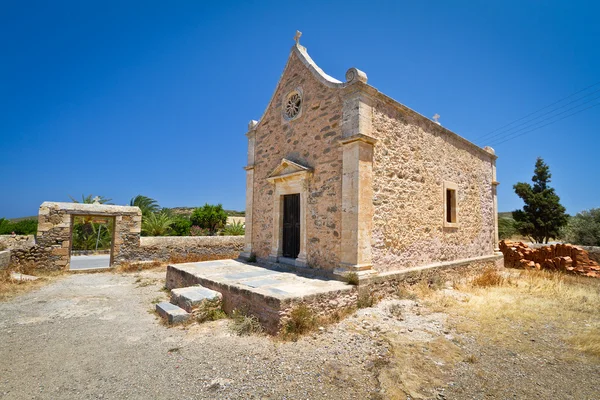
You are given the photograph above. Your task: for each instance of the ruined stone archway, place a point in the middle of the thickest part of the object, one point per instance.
(55, 230)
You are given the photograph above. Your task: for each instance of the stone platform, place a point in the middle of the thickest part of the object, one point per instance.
(268, 294)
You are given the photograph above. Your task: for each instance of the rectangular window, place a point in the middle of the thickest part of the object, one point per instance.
(450, 206)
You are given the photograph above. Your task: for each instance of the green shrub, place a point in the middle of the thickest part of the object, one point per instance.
(236, 228)
(22, 227)
(506, 228)
(181, 226)
(197, 231)
(584, 228)
(209, 217)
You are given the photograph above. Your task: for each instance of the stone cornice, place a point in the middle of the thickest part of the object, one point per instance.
(359, 138)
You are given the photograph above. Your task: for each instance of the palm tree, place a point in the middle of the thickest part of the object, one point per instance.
(157, 224)
(146, 204)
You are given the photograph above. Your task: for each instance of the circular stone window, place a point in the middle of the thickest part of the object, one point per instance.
(293, 105)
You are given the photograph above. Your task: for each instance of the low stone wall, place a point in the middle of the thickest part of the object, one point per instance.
(187, 248)
(4, 259)
(593, 251)
(17, 242)
(556, 257)
(387, 284)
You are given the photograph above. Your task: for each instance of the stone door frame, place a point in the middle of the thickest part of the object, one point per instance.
(55, 230)
(289, 178)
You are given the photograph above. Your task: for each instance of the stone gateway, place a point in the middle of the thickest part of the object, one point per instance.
(341, 178)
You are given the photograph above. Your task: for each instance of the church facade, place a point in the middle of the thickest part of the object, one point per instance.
(342, 178)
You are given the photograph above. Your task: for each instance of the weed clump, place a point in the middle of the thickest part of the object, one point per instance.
(302, 320)
(489, 277)
(210, 311)
(244, 324)
(365, 299)
(351, 278)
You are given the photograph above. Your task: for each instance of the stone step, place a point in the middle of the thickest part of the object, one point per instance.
(193, 297)
(172, 313)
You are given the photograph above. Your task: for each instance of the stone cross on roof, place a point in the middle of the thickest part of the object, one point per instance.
(297, 37)
(436, 117)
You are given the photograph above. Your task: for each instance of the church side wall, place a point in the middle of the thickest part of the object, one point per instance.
(311, 140)
(413, 160)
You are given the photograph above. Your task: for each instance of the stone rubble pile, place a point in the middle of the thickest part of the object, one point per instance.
(557, 257)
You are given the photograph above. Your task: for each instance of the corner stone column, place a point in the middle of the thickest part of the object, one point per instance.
(357, 183)
(495, 184)
(357, 205)
(247, 253)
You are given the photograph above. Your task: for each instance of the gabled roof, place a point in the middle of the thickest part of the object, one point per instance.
(358, 77)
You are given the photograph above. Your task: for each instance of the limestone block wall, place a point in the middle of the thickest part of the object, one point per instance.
(413, 158)
(311, 140)
(164, 248)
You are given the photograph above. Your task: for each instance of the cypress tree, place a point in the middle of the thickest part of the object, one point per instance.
(542, 215)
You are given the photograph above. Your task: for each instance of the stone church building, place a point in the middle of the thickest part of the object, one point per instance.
(341, 177)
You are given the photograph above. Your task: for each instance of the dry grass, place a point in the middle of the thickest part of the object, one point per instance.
(503, 309)
(10, 287)
(138, 266)
(489, 277)
(244, 324)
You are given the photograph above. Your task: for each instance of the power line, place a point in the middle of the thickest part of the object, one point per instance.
(506, 134)
(549, 123)
(524, 124)
(541, 109)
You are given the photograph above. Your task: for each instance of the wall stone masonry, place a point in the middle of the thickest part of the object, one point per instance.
(4, 259)
(163, 248)
(557, 257)
(413, 159)
(17, 242)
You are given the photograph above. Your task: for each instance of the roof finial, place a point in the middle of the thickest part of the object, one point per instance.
(436, 117)
(297, 37)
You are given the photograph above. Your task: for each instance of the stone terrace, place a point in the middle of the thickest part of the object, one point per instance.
(268, 294)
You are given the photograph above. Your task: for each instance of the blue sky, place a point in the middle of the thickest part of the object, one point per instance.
(153, 98)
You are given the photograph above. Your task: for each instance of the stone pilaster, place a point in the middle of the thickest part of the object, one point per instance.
(495, 184)
(246, 254)
(357, 185)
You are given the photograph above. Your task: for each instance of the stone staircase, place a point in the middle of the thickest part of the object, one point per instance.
(187, 300)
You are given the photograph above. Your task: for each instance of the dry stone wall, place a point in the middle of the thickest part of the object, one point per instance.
(311, 140)
(17, 242)
(557, 257)
(413, 158)
(166, 248)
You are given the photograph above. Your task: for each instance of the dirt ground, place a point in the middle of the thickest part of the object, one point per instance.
(94, 336)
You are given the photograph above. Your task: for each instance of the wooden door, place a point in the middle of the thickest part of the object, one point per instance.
(291, 225)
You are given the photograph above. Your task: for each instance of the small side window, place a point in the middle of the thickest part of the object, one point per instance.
(450, 205)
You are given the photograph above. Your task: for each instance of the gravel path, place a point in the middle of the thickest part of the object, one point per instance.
(93, 336)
